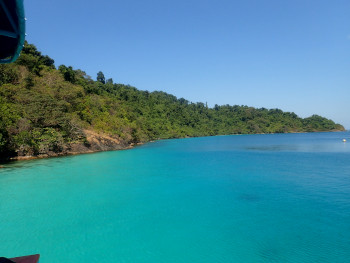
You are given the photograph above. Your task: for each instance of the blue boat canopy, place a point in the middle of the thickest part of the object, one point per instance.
(12, 29)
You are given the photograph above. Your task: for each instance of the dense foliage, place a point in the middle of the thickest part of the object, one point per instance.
(47, 109)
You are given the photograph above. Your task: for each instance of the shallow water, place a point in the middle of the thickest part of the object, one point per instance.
(248, 198)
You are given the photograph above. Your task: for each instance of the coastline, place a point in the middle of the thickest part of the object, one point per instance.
(95, 142)
(100, 142)
(62, 154)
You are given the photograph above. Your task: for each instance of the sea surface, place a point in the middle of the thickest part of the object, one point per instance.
(247, 198)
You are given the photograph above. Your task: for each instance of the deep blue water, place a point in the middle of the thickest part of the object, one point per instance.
(249, 198)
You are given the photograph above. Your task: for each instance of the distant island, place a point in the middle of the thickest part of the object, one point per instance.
(48, 111)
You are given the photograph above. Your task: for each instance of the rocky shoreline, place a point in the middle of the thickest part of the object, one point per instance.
(95, 142)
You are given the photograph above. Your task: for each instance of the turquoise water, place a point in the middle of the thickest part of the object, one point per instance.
(250, 198)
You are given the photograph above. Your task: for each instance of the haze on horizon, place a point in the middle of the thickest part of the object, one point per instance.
(292, 55)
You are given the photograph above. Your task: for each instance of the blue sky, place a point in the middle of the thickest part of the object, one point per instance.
(291, 54)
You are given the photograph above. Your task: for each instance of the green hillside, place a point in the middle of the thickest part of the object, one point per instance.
(48, 110)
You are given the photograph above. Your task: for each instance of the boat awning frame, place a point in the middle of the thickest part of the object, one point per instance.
(12, 29)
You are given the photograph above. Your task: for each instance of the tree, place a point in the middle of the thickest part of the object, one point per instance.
(30, 49)
(68, 73)
(47, 61)
(34, 60)
(8, 74)
(110, 81)
(101, 77)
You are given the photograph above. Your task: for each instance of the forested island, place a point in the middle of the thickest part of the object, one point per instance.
(49, 111)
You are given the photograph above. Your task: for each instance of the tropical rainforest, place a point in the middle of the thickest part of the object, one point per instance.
(44, 109)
